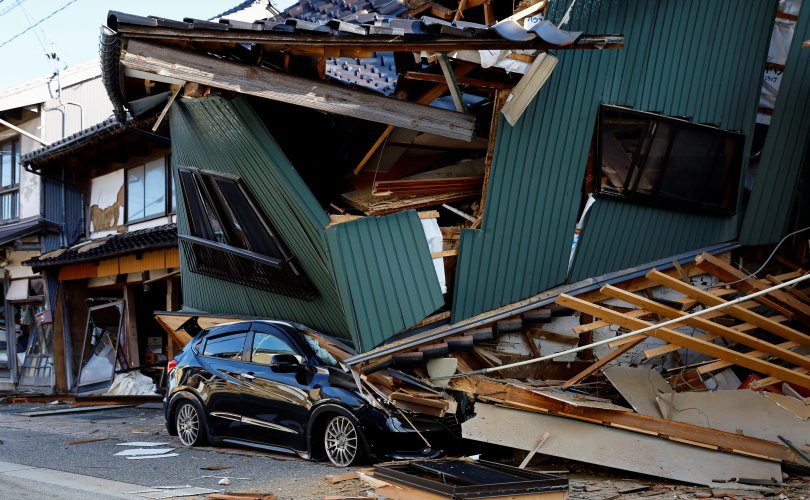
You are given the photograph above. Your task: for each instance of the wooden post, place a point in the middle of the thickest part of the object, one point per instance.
(172, 304)
(58, 341)
(131, 327)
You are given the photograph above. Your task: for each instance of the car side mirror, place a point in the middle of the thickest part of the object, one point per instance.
(284, 363)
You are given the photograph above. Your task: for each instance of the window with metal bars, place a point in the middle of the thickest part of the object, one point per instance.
(232, 239)
(665, 161)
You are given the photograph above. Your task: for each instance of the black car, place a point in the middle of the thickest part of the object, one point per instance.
(269, 384)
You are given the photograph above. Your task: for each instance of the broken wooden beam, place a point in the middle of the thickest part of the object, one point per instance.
(519, 397)
(680, 339)
(273, 85)
(710, 327)
(736, 310)
(778, 300)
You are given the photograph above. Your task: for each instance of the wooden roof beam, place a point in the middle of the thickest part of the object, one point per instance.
(206, 70)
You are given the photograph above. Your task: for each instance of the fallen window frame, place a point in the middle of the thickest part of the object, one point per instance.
(258, 259)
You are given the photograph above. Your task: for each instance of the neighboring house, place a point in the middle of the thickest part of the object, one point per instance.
(259, 180)
(125, 267)
(36, 113)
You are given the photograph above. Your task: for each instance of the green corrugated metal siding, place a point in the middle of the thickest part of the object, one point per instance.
(378, 278)
(701, 59)
(785, 151)
(227, 136)
(385, 274)
(670, 233)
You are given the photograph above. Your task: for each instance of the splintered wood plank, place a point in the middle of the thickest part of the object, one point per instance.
(499, 392)
(604, 360)
(720, 365)
(207, 70)
(769, 381)
(741, 313)
(677, 338)
(171, 324)
(708, 326)
(778, 300)
(612, 446)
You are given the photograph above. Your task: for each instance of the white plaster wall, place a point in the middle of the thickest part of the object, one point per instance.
(106, 195)
(15, 266)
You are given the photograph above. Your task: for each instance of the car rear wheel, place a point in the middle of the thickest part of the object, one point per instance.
(342, 441)
(190, 423)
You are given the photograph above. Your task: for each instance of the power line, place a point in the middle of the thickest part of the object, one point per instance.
(60, 9)
(10, 7)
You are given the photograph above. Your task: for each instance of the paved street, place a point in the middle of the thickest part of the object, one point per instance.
(54, 456)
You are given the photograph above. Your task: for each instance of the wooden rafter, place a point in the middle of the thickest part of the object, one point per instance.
(680, 339)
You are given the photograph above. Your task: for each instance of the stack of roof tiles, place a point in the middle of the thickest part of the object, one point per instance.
(376, 73)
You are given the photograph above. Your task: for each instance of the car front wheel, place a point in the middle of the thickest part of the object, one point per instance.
(189, 421)
(342, 441)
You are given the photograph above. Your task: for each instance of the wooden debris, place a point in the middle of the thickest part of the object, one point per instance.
(341, 477)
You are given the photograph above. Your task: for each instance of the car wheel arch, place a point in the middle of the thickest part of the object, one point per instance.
(175, 401)
(317, 424)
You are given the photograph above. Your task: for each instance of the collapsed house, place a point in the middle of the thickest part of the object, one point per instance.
(456, 196)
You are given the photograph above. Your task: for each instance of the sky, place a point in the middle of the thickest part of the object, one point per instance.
(73, 32)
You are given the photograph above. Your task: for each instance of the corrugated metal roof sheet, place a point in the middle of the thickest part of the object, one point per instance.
(786, 147)
(385, 275)
(701, 59)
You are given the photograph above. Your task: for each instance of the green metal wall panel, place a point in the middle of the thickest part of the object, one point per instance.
(670, 233)
(785, 152)
(385, 274)
(374, 276)
(701, 59)
(226, 136)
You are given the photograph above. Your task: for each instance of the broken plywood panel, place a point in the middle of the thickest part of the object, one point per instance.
(739, 411)
(639, 386)
(595, 444)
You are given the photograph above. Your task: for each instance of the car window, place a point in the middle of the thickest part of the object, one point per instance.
(266, 345)
(322, 354)
(228, 346)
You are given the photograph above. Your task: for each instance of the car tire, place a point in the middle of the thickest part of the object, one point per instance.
(342, 441)
(189, 420)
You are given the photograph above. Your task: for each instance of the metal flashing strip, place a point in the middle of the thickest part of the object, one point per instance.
(539, 300)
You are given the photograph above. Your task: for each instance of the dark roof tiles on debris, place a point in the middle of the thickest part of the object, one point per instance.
(112, 246)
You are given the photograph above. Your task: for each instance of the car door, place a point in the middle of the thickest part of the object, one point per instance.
(277, 398)
(221, 383)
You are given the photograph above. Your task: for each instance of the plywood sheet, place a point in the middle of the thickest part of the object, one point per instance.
(738, 411)
(639, 386)
(595, 444)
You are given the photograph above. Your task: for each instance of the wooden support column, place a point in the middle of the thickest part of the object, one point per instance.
(172, 304)
(58, 341)
(131, 327)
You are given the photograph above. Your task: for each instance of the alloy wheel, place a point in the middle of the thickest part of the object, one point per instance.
(188, 424)
(341, 441)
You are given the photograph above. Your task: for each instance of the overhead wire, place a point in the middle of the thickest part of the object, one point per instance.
(57, 11)
(10, 7)
(30, 23)
(769, 257)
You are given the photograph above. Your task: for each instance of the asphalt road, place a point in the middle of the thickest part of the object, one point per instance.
(65, 443)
